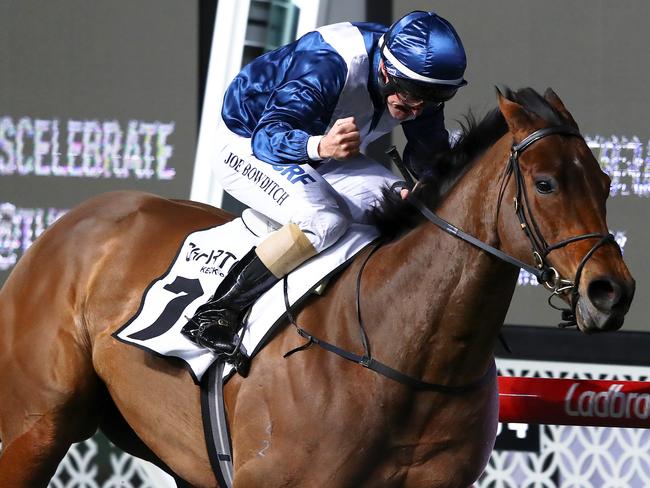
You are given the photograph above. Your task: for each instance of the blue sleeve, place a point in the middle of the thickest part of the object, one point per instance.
(300, 107)
(426, 136)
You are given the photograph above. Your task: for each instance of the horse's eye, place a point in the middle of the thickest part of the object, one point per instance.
(544, 186)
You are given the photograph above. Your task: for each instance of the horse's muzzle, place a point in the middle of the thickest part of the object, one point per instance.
(604, 304)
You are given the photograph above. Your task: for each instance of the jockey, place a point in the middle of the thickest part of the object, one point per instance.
(296, 123)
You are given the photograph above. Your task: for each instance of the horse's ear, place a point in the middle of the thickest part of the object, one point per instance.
(551, 97)
(519, 119)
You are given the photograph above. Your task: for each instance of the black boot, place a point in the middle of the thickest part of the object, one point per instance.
(216, 323)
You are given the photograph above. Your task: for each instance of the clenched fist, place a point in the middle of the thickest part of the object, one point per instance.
(342, 141)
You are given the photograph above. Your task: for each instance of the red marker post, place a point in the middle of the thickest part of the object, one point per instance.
(574, 402)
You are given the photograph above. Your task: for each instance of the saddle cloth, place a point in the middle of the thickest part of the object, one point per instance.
(199, 266)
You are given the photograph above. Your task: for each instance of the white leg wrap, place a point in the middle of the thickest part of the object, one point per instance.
(284, 250)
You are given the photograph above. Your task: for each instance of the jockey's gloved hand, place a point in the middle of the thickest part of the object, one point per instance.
(342, 141)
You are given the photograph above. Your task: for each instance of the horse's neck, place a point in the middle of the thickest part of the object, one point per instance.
(452, 298)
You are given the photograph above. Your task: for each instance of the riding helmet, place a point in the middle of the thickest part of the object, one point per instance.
(423, 56)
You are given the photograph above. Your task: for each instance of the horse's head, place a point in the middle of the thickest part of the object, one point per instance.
(559, 191)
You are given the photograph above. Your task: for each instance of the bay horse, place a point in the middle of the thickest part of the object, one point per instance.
(432, 307)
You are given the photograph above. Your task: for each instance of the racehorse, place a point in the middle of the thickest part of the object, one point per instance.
(432, 306)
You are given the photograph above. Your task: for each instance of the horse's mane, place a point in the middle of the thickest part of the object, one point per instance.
(394, 215)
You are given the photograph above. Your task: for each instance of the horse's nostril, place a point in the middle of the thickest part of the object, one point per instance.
(605, 294)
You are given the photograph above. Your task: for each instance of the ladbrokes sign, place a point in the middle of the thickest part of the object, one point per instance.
(614, 403)
(574, 402)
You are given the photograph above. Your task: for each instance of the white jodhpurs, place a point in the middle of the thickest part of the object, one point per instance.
(321, 201)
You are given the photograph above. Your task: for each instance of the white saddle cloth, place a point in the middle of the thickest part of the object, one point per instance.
(201, 263)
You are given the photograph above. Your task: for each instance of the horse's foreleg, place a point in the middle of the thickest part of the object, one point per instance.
(50, 398)
(31, 453)
(120, 433)
(30, 460)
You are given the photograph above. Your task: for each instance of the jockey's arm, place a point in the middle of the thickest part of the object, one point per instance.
(300, 109)
(426, 136)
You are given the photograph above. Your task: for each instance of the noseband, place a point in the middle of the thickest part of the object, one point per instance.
(542, 270)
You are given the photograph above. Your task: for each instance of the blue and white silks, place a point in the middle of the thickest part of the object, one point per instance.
(286, 96)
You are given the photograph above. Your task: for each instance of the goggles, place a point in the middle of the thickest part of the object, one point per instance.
(416, 103)
(413, 94)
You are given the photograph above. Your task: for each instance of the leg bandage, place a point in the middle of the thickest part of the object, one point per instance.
(285, 249)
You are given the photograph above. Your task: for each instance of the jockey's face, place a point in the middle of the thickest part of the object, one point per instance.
(402, 107)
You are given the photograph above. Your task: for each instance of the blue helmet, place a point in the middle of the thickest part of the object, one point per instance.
(423, 50)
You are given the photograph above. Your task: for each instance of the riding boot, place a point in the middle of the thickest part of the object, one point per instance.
(216, 323)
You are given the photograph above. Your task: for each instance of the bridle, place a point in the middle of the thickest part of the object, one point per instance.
(542, 270)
